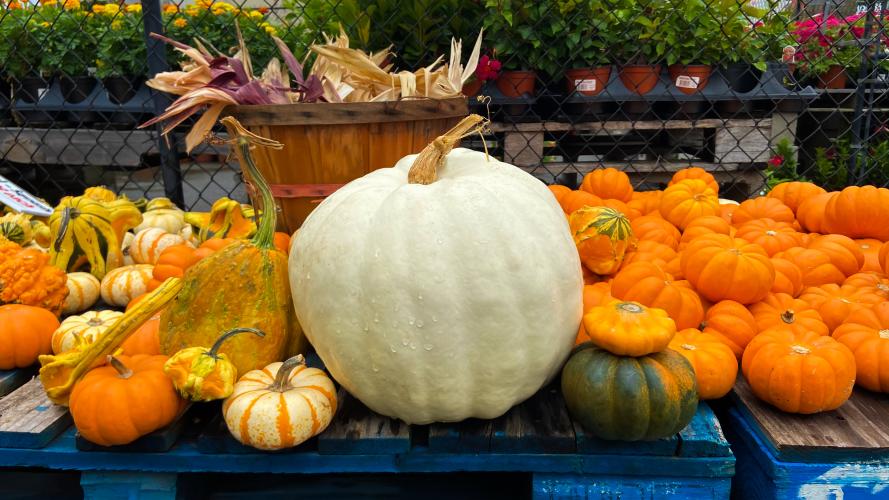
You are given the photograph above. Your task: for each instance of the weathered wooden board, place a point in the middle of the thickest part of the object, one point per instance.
(857, 430)
(469, 436)
(595, 126)
(703, 436)
(11, 380)
(356, 430)
(28, 419)
(539, 425)
(591, 445)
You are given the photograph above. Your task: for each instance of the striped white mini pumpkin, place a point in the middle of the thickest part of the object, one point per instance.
(89, 326)
(266, 413)
(123, 284)
(83, 292)
(149, 243)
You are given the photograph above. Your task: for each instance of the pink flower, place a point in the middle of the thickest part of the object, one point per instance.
(776, 161)
(487, 69)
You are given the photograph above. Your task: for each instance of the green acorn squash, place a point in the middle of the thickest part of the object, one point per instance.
(629, 398)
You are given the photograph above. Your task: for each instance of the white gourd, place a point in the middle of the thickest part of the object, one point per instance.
(171, 220)
(443, 301)
(83, 292)
(149, 243)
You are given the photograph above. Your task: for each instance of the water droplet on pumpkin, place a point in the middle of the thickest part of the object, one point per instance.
(308, 276)
(434, 319)
(439, 241)
(420, 297)
(412, 321)
(366, 328)
(375, 368)
(377, 253)
(427, 347)
(413, 346)
(392, 348)
(405, 341)
(419, 323)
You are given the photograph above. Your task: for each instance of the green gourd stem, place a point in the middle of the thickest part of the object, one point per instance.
(213, 352)
(67, 215)
(123, 370)
(282, 379)
(265, 231)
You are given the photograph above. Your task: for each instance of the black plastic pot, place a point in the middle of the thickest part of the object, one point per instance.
(121, 89)
(76, 88)
(741, 77)
(31, 88)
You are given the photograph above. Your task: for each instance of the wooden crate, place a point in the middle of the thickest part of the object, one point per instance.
(841, 454)
(536, 439)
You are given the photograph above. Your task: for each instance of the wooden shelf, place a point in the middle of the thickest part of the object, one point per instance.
(611, 125)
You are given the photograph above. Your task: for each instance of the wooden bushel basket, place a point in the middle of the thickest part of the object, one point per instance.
(327, 145)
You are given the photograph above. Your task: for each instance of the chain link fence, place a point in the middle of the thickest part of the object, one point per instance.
(753, 91)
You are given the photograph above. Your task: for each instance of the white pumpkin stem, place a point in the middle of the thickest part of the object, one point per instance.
(123, 370)
(282, 378)
(214, 350)
(425, 167)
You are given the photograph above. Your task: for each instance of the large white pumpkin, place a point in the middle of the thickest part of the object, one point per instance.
(439, 302)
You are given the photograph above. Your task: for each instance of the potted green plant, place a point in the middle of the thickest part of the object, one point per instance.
(764, 40)
(511, 27)
(68, 48)
(694, 34)
(121, 54)
(18, 53)
(641, 50)
(589, 32)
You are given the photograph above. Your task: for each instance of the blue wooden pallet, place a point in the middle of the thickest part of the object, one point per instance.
(839, 454)
(536, 438)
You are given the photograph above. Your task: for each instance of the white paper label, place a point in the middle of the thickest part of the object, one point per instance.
(41, 92)
(687, 82)
(585, 85)
(20, 200)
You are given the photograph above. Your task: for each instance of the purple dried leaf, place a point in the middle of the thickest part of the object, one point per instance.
(252, 93)
(312, 90)
(290, 60)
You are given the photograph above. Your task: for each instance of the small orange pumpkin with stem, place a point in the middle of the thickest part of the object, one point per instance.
(834, 302)
(842, 251)
(732, 323)
(687, 200)
(799, 371)
(762, 207)
(772, 236)
(648, 284)
(655, 228)
(779, 310)
(716, 366)
(608, 183)
(25, 333)
(708, 224)
(788, 277)
(629, 328)
(816, 266)
(793, 194)
(115, 420)
(721, 267)
(695, 173)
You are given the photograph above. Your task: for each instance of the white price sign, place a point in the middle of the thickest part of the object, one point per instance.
(20, 200)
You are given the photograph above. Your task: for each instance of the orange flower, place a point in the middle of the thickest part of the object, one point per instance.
(71, 4)
(13, 5)
(170, 8)
(180, 23)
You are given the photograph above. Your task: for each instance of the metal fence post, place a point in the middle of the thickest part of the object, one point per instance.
(171, 172)
(863, 102)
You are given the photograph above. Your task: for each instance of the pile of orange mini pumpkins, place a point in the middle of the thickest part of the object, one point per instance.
(792, 285)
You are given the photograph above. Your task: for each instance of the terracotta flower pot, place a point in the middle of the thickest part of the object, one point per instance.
(472, 88)
(690, 79)
(833, 78)
(517, 83)
(640, 79)
(587, 81)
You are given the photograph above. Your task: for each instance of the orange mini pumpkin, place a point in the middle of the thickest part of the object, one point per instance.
(648, 284)
(608, 183)
(858, 212)
(655, 228)
(788, 277)
(695, 173)
(834, 303)
(102, 403)
(779, 310)
(732, 323)
(762, 208)
(816, 266)
(721, 267)
(621, 207)
(25, 333)
(875, 283)
(866, 333)
(793, 194)
(716, 366)
(559, 191)
(772, 236)
(843, 252)
(602, 236)
(687, 200)
(629, 328)
(709, 224)
(799, 372)
(727, 210)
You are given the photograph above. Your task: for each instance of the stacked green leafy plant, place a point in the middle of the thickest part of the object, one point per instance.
(580, 35)
(66, 45)
(18, 48)
(697, 31)
(121, 41)
(419, 29)
(642, 39)
(518, 30)
(770, 37)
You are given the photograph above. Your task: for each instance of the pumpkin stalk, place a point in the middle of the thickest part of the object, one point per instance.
(214, 350)
(429, 160)
(282, 379)
(787, 316)
(244, 139)
(67, 215)
(123, 370)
